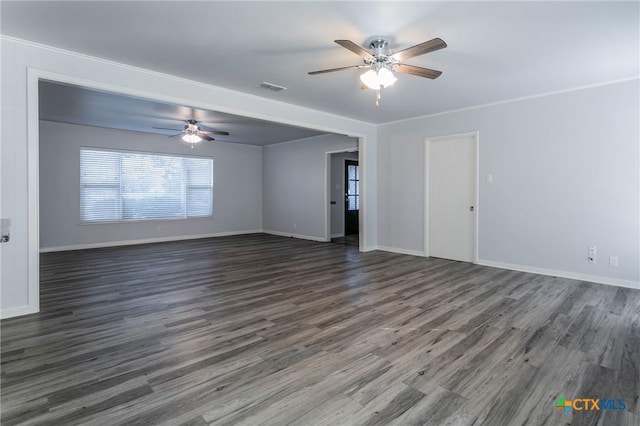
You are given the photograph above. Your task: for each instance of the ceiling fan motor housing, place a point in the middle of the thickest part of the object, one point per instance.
(381, 55)
(379, 47)
(191, 128)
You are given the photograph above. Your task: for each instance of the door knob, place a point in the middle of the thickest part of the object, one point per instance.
(471, 208)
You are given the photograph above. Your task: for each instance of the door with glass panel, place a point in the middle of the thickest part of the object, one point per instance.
(352, 197)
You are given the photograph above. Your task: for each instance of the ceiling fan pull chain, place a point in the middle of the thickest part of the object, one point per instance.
(378, 99)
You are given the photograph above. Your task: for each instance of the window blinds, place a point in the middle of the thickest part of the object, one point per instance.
(122, 186)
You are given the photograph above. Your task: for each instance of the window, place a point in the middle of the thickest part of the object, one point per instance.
(122, 186)
(353, 187)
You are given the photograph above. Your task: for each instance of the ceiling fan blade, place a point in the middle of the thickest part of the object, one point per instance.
(420, 49)
(165, 128)
(419, 71)
(205, 137)
(215, 132)
(339, 69)
(360, 51)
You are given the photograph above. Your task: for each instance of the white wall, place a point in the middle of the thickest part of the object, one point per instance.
(565, 175)
(237, 188)
(338, 191)
(294, 185)
(22, 63)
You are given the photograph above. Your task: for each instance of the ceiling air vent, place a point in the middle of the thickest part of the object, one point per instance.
(272, 87)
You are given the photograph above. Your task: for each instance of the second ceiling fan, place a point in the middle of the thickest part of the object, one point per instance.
(192, 133)
(382, 63)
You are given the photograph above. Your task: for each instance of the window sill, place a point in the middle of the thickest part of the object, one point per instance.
(119, 222)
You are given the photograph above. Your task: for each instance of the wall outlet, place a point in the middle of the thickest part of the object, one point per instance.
(613, 261)
(591, 258)
(160, 228)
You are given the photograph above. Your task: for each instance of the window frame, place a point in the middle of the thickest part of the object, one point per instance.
(120, 189)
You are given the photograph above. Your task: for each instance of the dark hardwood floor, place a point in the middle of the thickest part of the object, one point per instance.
(351, 240)
(267, 330)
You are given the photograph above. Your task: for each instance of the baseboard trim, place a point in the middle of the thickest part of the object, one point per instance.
(562, 274)
(18, 311)
(400, 251)
(147, 241)
(299, 236)
(337, 235)
(368, 249)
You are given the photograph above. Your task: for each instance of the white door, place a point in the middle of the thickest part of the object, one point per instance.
(451, 189)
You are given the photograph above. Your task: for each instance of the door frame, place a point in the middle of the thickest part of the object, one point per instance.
(327, 192)
(427, 184)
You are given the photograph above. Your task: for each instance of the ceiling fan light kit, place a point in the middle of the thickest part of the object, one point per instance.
(381, 78)
(382, 63)
(191, 138)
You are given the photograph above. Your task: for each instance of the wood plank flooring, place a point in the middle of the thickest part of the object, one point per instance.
(266, 330)
(352, 240)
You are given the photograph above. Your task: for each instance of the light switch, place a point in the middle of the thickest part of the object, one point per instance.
(489, 177)
(5, 232)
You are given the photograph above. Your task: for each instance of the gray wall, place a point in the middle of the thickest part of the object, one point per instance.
(294, 184)
(338, 191)
(565, 175)
(237, 189)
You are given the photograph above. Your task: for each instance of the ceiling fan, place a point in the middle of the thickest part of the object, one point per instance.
(381, 62)
(192, 133)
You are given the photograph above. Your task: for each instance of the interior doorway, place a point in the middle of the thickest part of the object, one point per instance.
(451, 197)
(345, 198)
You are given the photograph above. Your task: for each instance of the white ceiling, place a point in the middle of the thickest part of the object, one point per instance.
(496, 50)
